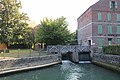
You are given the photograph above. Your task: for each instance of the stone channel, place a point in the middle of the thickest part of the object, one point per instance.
(20, 64)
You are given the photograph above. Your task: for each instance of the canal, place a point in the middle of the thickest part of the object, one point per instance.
(66, 71)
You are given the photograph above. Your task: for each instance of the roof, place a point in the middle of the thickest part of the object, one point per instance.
(88, 9)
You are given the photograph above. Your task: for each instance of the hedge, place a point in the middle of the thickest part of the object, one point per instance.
(111, 49)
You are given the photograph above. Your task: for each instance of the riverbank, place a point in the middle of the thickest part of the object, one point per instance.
(106, 65)
(111, 62)
(22, 64)
(65, 71)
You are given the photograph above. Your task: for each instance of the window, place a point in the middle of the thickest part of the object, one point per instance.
(109, 41)
(99, 29)
(109, 29)
(118, 17)
(109, 16)
(118, 41)
(118, 29)
(99, 16)
(113, 4)
(100, 42)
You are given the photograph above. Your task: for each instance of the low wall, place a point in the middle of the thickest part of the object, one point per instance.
(109, 61)
(27, 62)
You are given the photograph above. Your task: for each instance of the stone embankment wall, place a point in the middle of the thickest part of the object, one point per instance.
(17, 63)
(109, 61)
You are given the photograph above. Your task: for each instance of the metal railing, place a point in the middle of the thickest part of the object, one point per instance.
(21, 53)
(67, 48)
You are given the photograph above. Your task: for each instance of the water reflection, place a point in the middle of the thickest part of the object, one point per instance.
(66, 71)
(87, 72)
(71, 73)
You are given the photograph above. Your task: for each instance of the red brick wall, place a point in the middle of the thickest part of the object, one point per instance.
(83, 21)
(102, 5)
(90, 19)
(104, 8)
(85, 18)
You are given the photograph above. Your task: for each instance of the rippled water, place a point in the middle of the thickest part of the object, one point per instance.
(66, 71)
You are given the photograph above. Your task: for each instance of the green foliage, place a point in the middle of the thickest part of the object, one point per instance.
(73, 38)
(53, 32)
(112, 49)
(12, 22)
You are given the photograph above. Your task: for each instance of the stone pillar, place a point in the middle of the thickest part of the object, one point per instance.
(43, 45)
(75, 57)
(59, 55)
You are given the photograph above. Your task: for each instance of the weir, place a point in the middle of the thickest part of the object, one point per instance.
(74, 53)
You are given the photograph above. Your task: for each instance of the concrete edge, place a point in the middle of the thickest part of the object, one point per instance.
(107, 65)
(28, 68)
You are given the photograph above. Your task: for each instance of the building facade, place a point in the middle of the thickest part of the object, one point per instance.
(100, 24)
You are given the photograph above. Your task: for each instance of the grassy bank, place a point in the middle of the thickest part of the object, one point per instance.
(22, 53)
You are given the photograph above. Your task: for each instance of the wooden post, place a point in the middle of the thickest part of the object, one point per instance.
(30, 53)
(4, 54)
(18, 53)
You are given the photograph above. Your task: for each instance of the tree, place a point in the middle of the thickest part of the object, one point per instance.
(53, 32)
(73, 38)
(12, 22)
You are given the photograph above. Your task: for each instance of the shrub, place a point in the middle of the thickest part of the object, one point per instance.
(111, 49)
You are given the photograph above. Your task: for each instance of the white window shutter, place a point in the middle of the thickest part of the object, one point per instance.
(115, 4)
(110, 4)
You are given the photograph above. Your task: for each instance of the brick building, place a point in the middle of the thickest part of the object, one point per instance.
(100, 24)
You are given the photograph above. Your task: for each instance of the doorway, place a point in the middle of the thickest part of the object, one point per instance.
(89, 42)
(109, 41)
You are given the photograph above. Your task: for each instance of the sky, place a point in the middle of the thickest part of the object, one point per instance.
(71, 9)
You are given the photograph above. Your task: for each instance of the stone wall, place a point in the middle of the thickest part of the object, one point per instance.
(74, 57)
(109, 59)
(27, 62)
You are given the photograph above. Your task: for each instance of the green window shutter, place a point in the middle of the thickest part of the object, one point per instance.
(100, 42)
(109, 29)
(118, 41)
(109, 16)
(118, 29)
(99, 29)
(99, 16)
(118, 17)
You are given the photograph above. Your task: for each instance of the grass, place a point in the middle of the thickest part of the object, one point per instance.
(22, 53)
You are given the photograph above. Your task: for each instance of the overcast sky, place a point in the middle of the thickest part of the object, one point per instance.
(71, 9)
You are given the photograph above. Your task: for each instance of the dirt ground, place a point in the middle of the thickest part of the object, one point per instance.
(6, 58)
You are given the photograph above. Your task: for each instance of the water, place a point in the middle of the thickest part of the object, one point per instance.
(66, 71)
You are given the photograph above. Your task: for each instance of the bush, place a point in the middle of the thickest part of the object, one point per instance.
(111, 49)
(18, 46)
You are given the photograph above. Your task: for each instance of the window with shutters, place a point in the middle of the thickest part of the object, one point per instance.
(100, 42)
(113, 4)
(99, 29)
(109, 16)
(99, 16)
(118, 17)
(118, 30)
(109, 29)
